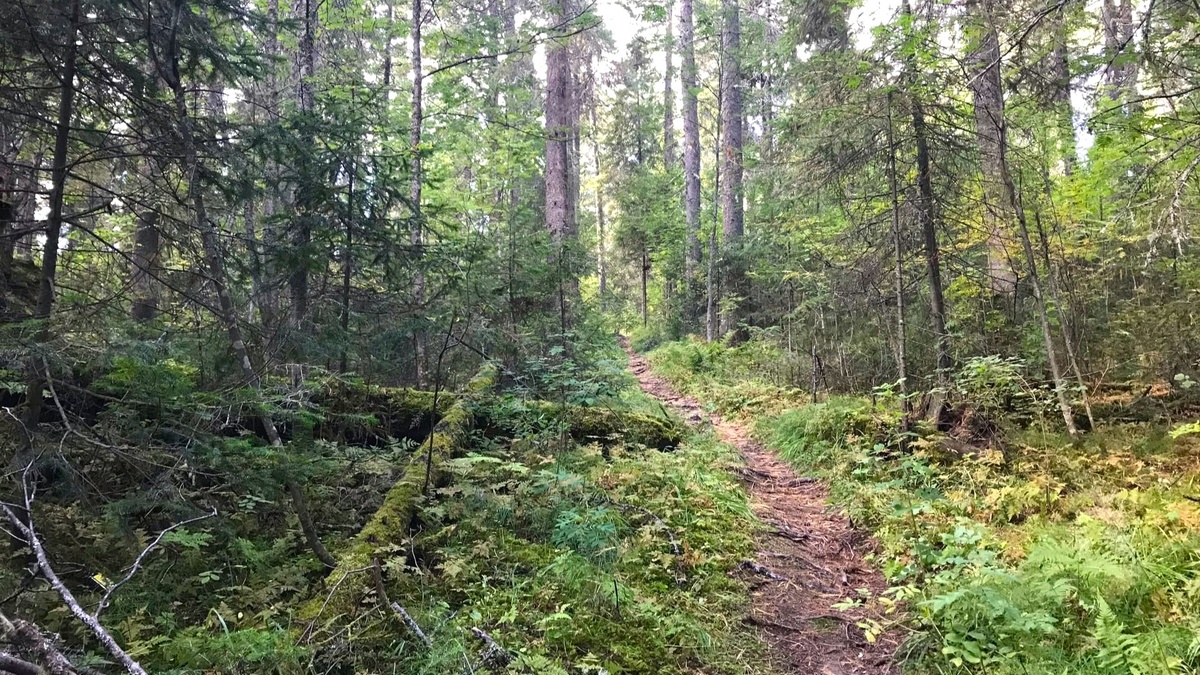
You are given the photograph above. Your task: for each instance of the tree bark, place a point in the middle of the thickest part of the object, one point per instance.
(733, 218)
(58, 183)
(926, 214)
(988, 93)
(691, 159)
(416, 233)
(147, 242)
(669, 92)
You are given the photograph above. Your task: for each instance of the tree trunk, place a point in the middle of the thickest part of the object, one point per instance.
(898, 246)
(601, 235)
(7, 216)
(560, 132)
(733, 224)
(147, 242)
(691, 159)
(347, 272)
(1061, 69)
(669, 92)
(416, 233)
(988, 93)
(1120, 78)
(302, 226)
(712, 320)
(54, 222)
(926, 213)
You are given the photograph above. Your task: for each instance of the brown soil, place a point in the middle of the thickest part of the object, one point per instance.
(809, 558)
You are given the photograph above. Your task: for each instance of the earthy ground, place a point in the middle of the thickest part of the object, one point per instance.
(809, 559)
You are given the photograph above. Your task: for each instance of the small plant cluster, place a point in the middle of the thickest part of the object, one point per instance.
(1051, 557)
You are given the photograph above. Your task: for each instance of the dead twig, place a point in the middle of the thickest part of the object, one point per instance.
(137, 562)
(377, 572)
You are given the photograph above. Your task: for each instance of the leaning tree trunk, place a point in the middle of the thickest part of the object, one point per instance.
(58, 183)
(215, 262)
(1060, 388)
(1060, 304)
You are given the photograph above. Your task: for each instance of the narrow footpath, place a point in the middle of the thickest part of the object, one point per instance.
(809, 559)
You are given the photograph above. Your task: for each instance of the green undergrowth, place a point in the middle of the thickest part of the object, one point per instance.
(578, 553)
(577, 563)
(1049, 557)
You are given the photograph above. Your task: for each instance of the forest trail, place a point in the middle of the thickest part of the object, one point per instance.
(809, 559)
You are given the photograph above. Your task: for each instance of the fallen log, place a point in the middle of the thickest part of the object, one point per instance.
(592, 424)
(392, 523)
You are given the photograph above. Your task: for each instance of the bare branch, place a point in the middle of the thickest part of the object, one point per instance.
(137, 562)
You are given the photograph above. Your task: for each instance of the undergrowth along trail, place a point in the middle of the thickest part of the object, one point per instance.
(810, 560)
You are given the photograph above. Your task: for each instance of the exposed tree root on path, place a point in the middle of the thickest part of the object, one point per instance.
(809, 558)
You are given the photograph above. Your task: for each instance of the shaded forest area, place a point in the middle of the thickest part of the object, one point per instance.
(308, 317)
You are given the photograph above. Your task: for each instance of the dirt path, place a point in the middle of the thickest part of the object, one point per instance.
(809, 560)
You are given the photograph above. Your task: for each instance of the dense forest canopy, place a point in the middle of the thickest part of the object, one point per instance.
(307, 315)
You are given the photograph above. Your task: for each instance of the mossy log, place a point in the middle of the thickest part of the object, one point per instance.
(391, 525)
(588, 424)
(358, 413)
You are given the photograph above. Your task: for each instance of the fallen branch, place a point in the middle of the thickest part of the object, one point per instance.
(412, 623)
(43, 561)
(377, 573)
(18, 666)
(784, 530)
(29, 640)
(494, 656)
(763, 570)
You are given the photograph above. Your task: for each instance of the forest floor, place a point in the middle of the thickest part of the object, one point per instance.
(809, 558)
